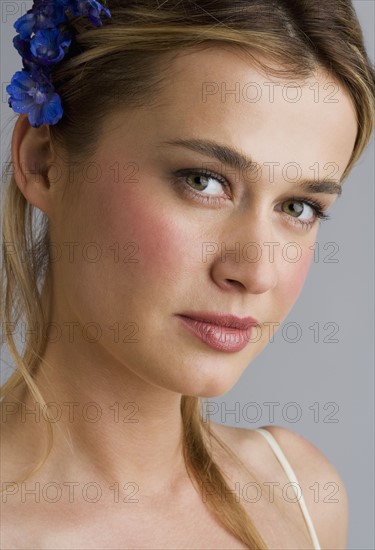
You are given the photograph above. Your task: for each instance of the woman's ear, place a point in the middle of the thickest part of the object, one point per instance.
(32, 156)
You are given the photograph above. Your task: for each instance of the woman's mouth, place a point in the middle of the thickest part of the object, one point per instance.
(223, 332)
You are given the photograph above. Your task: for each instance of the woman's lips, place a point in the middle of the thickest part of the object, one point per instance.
(221, 332)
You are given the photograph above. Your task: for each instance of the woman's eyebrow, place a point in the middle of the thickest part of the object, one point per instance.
(237, 160)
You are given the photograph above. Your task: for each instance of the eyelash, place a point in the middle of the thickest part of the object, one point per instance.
(317, 206)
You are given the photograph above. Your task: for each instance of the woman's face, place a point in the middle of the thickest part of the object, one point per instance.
(150, 238)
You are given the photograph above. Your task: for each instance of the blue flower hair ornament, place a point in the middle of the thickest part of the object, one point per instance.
(43, 40)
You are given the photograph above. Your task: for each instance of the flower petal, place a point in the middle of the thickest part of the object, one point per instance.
(52, 109)
(25, 24)
(23, 106)
(35, 116)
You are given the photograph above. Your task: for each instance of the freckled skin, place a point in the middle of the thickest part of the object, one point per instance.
(170, 228)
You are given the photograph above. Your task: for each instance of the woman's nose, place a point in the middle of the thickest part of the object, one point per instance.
(249, 262)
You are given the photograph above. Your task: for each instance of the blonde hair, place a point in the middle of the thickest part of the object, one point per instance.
(140, 40)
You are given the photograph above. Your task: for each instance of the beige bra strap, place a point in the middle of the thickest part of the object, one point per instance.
(293, 478)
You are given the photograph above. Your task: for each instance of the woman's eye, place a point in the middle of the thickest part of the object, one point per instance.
(213, 189)
(201, 182)
(298, 209)
(204, 186)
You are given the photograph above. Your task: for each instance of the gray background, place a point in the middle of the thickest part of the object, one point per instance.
(334, 379)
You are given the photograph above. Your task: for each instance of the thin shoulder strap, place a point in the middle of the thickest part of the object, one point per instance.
(293, 478)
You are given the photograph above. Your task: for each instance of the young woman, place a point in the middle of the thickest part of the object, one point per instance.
(145, 228)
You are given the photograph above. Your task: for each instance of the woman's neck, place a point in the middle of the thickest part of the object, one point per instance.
(109, 425)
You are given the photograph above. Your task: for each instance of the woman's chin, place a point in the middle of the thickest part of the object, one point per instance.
(207, 384)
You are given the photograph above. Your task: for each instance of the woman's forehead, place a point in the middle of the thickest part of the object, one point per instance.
(215, 94)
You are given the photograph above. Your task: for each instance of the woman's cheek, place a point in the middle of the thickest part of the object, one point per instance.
(162, 244)
(293, 274)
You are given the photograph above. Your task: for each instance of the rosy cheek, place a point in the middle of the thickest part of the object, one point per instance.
(162, 243)
(293, 275)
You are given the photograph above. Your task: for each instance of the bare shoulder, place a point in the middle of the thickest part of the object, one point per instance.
(322, 487)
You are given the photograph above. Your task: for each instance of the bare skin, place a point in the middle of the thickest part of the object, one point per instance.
(170, 228)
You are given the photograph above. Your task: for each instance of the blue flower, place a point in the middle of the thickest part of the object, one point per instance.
(89, 8)
(46, 14)
(50, 45)
(43, 39)
(32, 93)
